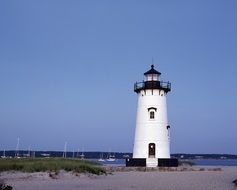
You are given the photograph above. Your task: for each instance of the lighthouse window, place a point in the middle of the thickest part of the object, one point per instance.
(152, 115)
(168, 129)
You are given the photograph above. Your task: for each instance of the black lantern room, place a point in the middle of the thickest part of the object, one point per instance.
(152, 81)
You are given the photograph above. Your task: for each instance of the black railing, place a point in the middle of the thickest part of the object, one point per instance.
(166, 86)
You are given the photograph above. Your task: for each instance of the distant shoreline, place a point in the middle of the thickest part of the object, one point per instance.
(118, 155)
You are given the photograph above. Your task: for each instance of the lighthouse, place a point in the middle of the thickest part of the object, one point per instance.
(152, 133)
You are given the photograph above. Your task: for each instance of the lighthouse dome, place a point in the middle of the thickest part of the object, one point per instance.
(152, 71)
(152, 74)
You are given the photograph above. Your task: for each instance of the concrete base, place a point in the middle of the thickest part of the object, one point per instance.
(152, 162)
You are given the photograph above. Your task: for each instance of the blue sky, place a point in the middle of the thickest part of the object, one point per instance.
(67, 70)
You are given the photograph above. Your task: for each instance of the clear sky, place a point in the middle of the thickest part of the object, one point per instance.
(67, 70)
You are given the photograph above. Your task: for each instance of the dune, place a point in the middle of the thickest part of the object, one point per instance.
(194, 179)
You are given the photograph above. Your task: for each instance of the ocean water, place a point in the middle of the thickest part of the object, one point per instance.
(198, 162)
(213, 162)
(117, 162)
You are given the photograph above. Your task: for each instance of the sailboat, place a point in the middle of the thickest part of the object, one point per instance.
(65, 150)
(4, 154)
(27, 154)
(17, 155)
(101, 158)
(82, 156)
(111, 158)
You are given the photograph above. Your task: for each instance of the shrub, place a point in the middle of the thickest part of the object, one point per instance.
(3, 186)
(50, 164)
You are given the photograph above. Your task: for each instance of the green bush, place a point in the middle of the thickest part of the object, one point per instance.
(50, 164)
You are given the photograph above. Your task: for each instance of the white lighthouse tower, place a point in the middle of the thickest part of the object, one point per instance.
(152, 134)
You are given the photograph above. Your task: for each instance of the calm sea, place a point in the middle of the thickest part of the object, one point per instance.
(212, 162)
(199, 162)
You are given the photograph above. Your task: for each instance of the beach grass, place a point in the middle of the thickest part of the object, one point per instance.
(50, 164)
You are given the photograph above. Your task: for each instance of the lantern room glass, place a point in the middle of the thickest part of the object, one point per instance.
(151, 77)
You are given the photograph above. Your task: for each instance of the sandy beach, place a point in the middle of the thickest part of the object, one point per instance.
(127, 180)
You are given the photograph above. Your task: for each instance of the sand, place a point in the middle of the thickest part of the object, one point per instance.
(127, 180)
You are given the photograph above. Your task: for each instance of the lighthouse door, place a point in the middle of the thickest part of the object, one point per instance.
(151, 150)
